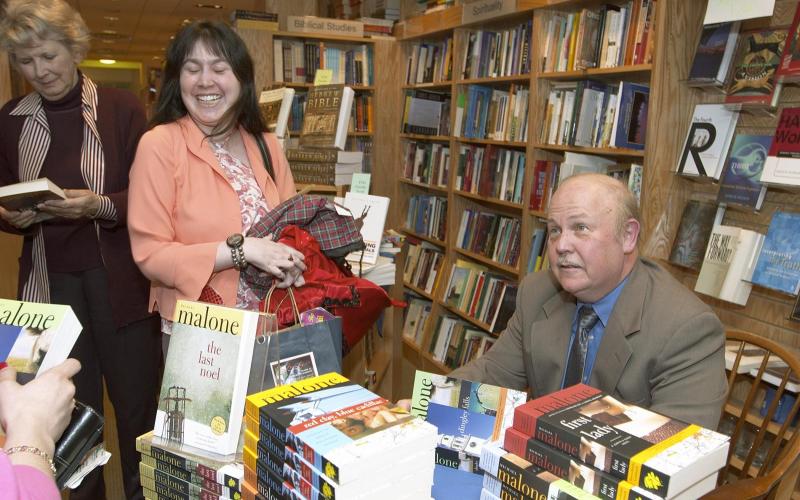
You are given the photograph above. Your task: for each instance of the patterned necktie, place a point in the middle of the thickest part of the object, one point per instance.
(577, 355)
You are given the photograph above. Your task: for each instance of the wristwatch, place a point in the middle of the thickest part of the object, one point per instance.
(236, 243)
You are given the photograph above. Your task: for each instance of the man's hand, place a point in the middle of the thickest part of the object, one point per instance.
(79, 203)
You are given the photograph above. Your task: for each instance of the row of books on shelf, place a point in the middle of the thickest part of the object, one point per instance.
(427, 163)
(423, 265)
(484, 112)
(480, 294)
(492, 54)
(606, 36)
(491, 171)
(753, 162)
(455, 342)
(591, 113)
(427, 216)
(430, 62)
(494, 236)
(731, 259)
(324, 166)
(297, 61)
(426, 112)
(495, 444)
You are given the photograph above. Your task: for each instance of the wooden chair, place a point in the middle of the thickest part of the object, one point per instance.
(767, 468)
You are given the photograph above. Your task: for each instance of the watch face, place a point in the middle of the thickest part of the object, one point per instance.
(235, 240)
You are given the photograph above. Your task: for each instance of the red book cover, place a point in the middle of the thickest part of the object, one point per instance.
(789, 70)
(786, 142)
(539, 182)
(525, 416)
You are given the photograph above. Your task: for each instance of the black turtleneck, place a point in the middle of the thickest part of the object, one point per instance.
(70, 244)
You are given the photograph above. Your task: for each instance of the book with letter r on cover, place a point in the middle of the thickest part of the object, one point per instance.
(205, 376)
(36, 337)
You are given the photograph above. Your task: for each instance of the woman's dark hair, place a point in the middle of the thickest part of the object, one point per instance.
(223, 42)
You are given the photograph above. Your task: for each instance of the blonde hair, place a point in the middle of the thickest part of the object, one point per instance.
(25, 21)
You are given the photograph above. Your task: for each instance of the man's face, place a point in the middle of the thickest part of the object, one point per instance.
(587, 255)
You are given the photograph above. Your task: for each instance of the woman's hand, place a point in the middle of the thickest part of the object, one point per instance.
(19, 218)
(282, 261)
(79, 203)
(35, 414)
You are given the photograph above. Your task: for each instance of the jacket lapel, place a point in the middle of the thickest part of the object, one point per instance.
(550, 339)
(197, 144)
(625, 319)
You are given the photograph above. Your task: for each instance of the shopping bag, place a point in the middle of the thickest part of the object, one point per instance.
(283, 356)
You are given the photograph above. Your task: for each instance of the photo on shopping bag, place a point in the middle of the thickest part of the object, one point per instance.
(293, 369)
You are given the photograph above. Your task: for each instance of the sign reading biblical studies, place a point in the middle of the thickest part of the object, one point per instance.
(324, 26)
(481, 10)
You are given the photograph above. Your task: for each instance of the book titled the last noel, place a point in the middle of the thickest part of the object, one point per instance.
(205, 376)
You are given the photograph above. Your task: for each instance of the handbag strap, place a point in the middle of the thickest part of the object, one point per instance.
(265, 304)
(265, 155)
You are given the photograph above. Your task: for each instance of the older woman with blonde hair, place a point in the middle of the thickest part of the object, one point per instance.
(76, 251)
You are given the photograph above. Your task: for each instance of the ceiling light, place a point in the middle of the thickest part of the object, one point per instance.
(108, 61)
(208, 6)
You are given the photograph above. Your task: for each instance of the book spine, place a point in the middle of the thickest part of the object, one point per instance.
(526, 478)
(188, 475)
(151, 477)
(300, 469)
(302, 155)
(328, 180)
(555, 462)
(525, 416)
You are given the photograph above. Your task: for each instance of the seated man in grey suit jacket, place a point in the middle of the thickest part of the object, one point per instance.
(646, 339)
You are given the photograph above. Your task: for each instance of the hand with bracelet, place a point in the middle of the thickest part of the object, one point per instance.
(34, 415)
(278, 259)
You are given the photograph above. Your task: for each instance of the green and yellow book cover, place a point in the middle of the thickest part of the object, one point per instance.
(205, 376)
(35, 337)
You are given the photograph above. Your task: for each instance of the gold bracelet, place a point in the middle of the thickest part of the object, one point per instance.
(33, 450)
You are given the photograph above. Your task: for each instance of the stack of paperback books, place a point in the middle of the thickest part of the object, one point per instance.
(327, 437)
(468, 415)
(582, 443)
(170, 471)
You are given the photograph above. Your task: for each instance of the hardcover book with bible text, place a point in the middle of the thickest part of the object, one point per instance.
(205, 376)
(36, 337)
(326, 117)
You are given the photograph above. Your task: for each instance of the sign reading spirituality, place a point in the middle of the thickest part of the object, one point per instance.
(325, 26)
(481, 10)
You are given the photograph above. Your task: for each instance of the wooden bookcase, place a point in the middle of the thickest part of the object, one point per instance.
(377, 353)
(677, 26)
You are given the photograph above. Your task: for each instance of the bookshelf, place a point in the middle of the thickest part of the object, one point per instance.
(461, 198)
(375, 353)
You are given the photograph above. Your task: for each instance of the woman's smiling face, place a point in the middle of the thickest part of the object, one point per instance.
(209, 88)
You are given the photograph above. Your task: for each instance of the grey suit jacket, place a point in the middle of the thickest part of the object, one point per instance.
(662, 349)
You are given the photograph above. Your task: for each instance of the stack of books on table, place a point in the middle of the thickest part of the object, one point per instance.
(582, 443)
(328, 437)
(171, 471)
(468, 415)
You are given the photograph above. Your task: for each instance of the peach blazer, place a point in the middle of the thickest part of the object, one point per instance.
(181, 206)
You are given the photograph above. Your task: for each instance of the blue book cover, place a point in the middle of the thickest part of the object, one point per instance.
(739, 185)
(631, 126)
(778, 264)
